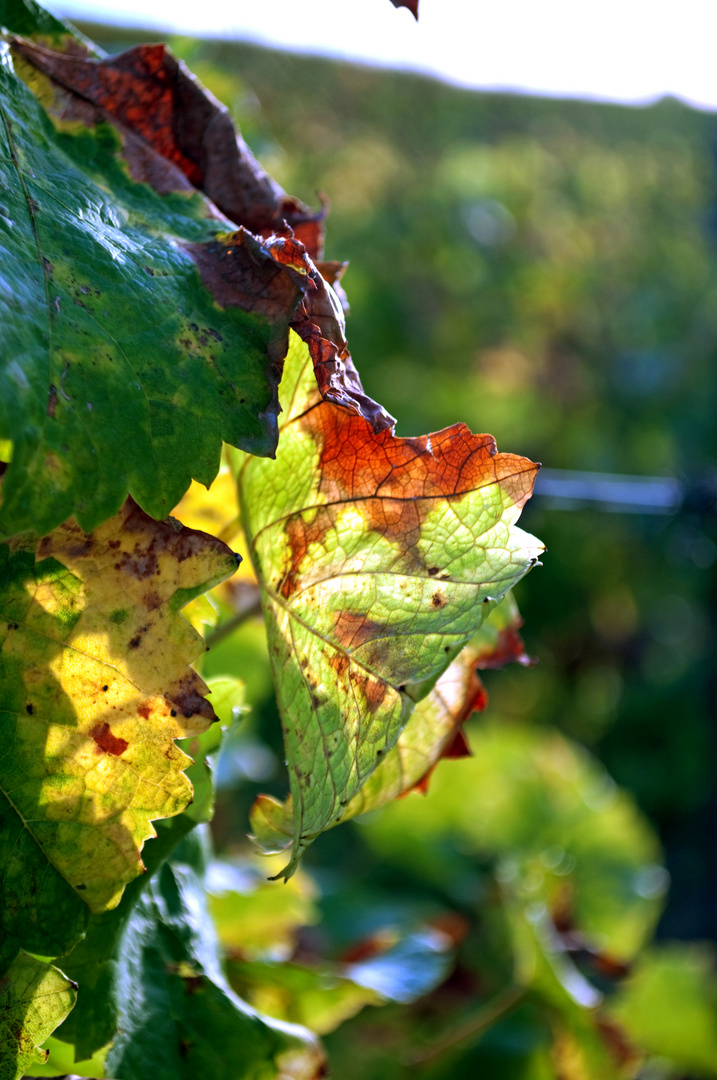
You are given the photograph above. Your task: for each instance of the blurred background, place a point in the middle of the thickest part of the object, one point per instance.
(546, 270)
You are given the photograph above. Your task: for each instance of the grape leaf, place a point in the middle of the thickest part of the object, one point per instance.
(97, 686)
(178, 1016)
(93, 962)
(148, 91)
(34, 999)
(434, 731)
(28, 18)
(126, 284)
(668, 1005)
(162, 110)
(379, 558)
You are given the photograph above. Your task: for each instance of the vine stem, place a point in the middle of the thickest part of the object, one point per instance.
(491, 1012)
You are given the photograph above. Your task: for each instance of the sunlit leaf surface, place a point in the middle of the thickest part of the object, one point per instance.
(34, 998)
(95, 662)
(134, 224)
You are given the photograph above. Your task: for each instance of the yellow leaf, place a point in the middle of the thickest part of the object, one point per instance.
(97, 687)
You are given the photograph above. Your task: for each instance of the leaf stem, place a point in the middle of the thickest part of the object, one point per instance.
(486, 1016)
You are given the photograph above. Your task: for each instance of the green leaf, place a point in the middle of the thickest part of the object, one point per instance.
(178, 1016)
(433, 731)
(93, 962)
(254, 917)
(325, 995)
(130, 286)
(668, 1005)
(556, 825)
(379, 558)
(96, 686)
(318, 997)
(113, 351)
(61, 1062)
(29, 19)
(38, 907)
(34, 999)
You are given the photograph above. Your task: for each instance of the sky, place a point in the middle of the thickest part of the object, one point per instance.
(632, 51)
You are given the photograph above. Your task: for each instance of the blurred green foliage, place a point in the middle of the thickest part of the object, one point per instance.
(545, 271)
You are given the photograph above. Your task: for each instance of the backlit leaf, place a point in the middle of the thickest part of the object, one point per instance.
(34, 999)
(379, 558)
(668, 1005)
(256, 918)
(434, 731)
(563, 834)
(95, 662)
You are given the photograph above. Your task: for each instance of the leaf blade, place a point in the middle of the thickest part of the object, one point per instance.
(379, 558)
(34, 999)
(101, 688)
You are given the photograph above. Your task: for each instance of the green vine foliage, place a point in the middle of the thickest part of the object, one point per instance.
(163, 297)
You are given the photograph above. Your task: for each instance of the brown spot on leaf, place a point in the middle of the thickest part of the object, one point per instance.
(152, 600)
(52, 402)
(188, 696)
(106, 741)
(438, 600)
(339, 662)
(374, 690)
(145, 710)
(300, 535)
(353, 629)
(140, 565)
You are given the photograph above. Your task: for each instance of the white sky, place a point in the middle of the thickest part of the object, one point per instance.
(618, 50)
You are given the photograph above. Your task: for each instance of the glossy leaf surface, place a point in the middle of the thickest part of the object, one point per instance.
(379, 558)
(95, 662)
(112, 350)
(178, 1016)
(142, 327)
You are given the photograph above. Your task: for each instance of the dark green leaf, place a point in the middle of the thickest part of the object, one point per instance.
(113, 352)
(178, 1017)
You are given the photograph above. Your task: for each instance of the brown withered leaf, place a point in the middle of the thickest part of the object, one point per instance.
(264, 275)
(152, 94)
